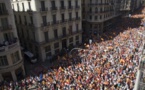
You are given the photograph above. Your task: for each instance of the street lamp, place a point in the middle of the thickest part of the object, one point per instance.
(74, 49)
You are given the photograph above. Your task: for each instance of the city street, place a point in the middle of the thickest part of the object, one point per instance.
(72, 45)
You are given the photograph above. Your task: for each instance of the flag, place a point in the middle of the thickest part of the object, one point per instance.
(60, 69)
(114, 33)
(110, 37)
(102, 39)
(41, 77)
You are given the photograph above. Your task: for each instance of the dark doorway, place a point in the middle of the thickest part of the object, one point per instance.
(64, 43)
(19, 74)
(7, 76)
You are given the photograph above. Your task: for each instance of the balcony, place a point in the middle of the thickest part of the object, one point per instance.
(77, 7)
(78, 19)
(53, 9)
(64, 35)
(6, 28)
(70, 7)
(99, 4)
(3, 12)
(55, 23)
(101, 12)
(58, 38)
(63, 21)
(45, 24)
(7, 45)
(31, 25)
(30, 11)
(62, 8)
(11, 67)
(48, 41)
(77, 32)
(70, 20)
(43, 10)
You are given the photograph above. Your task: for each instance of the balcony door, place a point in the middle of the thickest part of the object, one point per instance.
(46, 36)
(44, 19)
(54, 18)
(42, 5)
(4, 23)
(62, 4)
(2, 8)
(69, 3)
(64, 43)
(8, 37)
(53, 4)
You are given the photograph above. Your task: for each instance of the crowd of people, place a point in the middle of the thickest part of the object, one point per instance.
(109, 65)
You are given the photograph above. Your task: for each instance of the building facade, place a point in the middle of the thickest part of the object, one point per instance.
(99, 15)
(130, 5)
(45, 27)
(11, 61)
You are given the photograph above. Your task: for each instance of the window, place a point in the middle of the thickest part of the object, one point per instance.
(4, 22)
(53, 4)
(90, 9)
(3, 61)
(44, 20)
(34, 35)
(57, 51)
(8, 36)
(77, 38)
(31, 19)
(69, 4)
(100, 17)
(71, 40)
(96, 10)
(55, 33)
(27, 31)
(90, 17)
(96, 17)
(48, 51)
(62, 17)
(90, 1)
(101, 1)
(70, 16)
(22, 32)
(77, 42)
(17, 6)
(64, 31)
(76, 3)
(77, 16)
(13, 7)
(25, 20)
(29, 4)
(2, 8)
(42, 5)
(15, 18)
(77, 27)
(46, 36)
(56, 45)
(101, 10)
(23, 7)
(20, 21)
(62, 3)
(70, 29)
(15, 57)
(54, 18)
